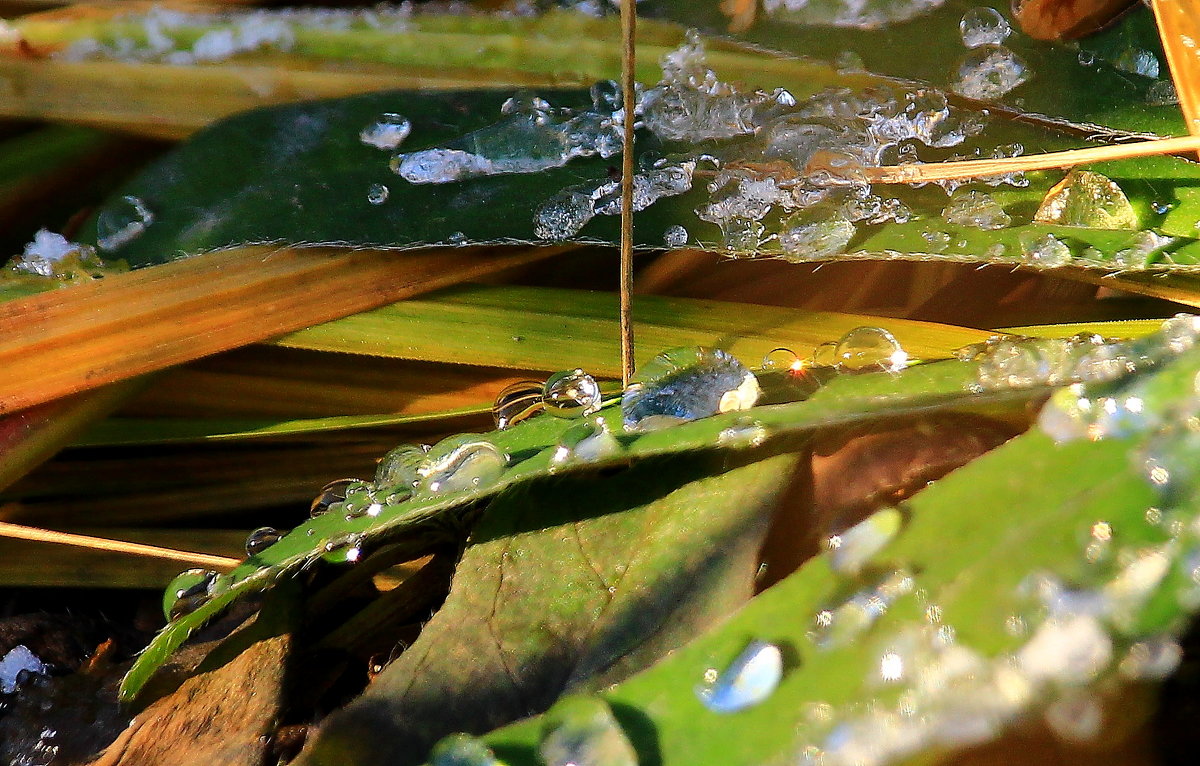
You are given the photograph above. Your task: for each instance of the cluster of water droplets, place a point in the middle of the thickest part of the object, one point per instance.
(989, 70)
(178, 37)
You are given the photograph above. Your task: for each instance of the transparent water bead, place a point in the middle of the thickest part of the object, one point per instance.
(346, 549)
(982, 25)
(675, 236)
(1138, 61)
(1180, 332)
(1151, 660)
(687, 384)
(377, 194)
(749, 680)
(825, 354)
(851, 550)
(989, 72)
(843, 624)
(122, 222)
(1071, 651)
(461, 463)
(462, 750)
(588, 442)
(399, 467)
(581, 731)
(187, 592)
(812, 235)
(745, 433)
(978, 209)
(517, 402)
(866, 349)
(1086, 198)
(571, 394)
(17, 665)
(261, 539)
(1141, 250)
(1077, 717)
(1044, 250)
(782, 359)
(332, 493)
(387, 132)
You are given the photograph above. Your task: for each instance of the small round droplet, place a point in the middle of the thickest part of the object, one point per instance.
(516, 402)
(866, 349)
(187, 592)
(749, 680)
(387, 132)
(261, 539)
(571, 394)
(1162, 206)
(332, 493)
(675, 236)
(377, 194)
(346, 549)
(982, 25)
(397, 471)
(462, 750)
(122, 222)
(782, 359)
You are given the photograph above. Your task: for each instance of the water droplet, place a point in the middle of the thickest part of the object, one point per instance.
(387, 132)
(978, 209)
(377, 194)
(122, 222)
(571, 394)
(782, 359)
(858, 545)
(1180, 332)
(687, 384)
(1078, 717)
(1086, 198)
(261, 539)
(675, 237)
(989, 72)
(187, 592)
(1141, 250)
(811, 235)
(749, 680)
(581, 731)
(983, 26)
(1137, 61)
(516, 402)
(346, 549)
(1044, 250)
(462, 750)
(825, 354)
(1086, 58)
(866, 349)
(1162, 93)
(845, 623)
(332, 493)
(1151, 660)
(586, 443)
(397, 471)
(742, 434)
(461, 463)
(1070, 650)
(1162, 206)
(17, 665)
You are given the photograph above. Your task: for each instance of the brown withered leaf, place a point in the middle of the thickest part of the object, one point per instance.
(1066, 19)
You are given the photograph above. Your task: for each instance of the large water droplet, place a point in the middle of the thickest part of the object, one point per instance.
(571, 394)
(866, 349)
(332, 493)
(18, 664)
(989, 72)
(982, 25)
(978, 209)
(1086, 198)
(122, 222)
(849, 551)
(811, 235)
(749, 680)
(461, 463)
(516, 402)
(581, 731)
(675, 236)
(586, 443)
(344, 549)
(187, 592)
(261, 539)
(397, 471)
(782, 359)
(462, 750)
(844, 623)
(687, 384)
(387, 132)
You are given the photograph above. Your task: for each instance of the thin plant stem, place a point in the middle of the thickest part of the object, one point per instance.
(628, 27)
(35, 534)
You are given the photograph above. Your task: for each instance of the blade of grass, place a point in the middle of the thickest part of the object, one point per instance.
(110, 545)
(553, 329)
(65, 341)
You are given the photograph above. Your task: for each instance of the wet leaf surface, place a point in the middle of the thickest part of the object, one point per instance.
(566, 586)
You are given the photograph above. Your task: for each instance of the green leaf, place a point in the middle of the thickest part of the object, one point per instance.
(567, 586)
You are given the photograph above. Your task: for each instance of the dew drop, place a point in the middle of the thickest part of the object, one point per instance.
(377, 194)
(825, 354)
(516, 402)
(461, 463)
(346, 549)
(261, 539)
(811, 235)
(1087, 198)
(982, 25)
(977, 209)
(866, 349)
(187, 592)
(1151, 660)
(856, 546)
(586, 443)
(122, 222)
(17, 665)
(581, 731)
(675, 237)
(749, 680)
(462, 750)
(571, 394)
(1076, 718)
(743, 434)
(387, 132)
(989, 72)
(397, 471)
(332, 493)
(1162, 206)
(782, 359)
(687, 384)
(1044, 250)
(1070, 650)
